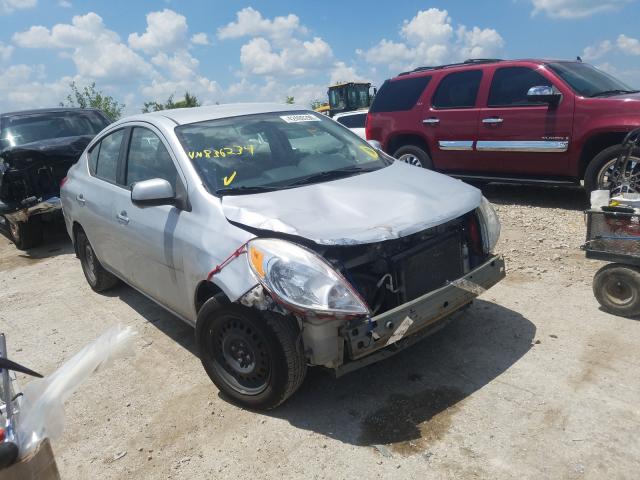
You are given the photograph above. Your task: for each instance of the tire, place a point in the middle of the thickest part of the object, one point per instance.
(414, 156)
(26, 235)
(617, 289)
(597, 167)
(231, 338)
(97, 277)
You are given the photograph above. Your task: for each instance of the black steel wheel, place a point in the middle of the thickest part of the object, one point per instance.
(617, 289)
(255, 358)
(97, 277)
(26, 235)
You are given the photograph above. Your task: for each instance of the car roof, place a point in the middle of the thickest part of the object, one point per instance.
(479, 62)
(182, 116)
(353, 112)
(48, 110)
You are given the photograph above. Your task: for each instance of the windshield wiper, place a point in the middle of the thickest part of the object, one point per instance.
(613, 92)
(331, 175)
(245, 190)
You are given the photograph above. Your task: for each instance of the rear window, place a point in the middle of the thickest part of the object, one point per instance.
(353, 121)
(458, 90)
(399, 95)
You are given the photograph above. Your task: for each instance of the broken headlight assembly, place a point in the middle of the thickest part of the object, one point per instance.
(301, 278)
(490, 225)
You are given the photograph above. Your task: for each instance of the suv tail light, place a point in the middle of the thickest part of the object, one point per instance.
(63, 181)
(367, 128)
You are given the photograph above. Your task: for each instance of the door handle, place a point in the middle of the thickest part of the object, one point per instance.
(80, 198)
(122, 217)
(492, 120)
(431, 121)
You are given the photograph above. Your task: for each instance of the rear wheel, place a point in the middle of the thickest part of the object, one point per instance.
(617, 289)
(97, 277)
(414, 155)
(601, 173)
(256, 358)
(26, 235)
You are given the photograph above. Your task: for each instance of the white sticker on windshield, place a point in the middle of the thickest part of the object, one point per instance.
(299, 118)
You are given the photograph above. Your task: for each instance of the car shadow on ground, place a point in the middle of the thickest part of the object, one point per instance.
(409, 400)
(56, 242)
(565, 197)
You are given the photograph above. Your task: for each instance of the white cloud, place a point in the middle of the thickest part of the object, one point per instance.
(250, 23)
(567, 9)
(595, 51)
(9, 6)
(179, 65)
(22, 86)
(97, 51)
(628, 45)
(166, 30)
(299, 58)
(5, 52)
(430, 39)
(65, 4)
(341, 72)
(200, 39)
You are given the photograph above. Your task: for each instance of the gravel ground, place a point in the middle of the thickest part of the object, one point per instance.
(533, 381)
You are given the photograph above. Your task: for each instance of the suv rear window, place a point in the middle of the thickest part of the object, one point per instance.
(353, 121)
(458, 90)
(399, 95)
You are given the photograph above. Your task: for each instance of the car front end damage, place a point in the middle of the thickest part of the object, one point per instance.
(356, 304)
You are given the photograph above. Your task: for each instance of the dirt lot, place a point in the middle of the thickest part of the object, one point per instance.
(533, 381)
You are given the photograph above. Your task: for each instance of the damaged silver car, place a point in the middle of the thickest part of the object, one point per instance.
(285, 239)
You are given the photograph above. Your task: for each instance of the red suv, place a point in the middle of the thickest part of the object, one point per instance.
(509, 120)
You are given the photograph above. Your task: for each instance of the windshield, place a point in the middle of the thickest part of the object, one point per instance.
(274, 150)
(19, 129)
(587, 80)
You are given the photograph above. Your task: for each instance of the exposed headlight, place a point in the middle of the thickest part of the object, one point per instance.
(302, 278)
(490, 225)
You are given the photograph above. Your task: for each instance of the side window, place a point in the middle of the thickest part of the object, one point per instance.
(92, 156)
(148, 158)
(108, 153)
(399, 95)
(510, 85)
(353, 121)
(458, 90)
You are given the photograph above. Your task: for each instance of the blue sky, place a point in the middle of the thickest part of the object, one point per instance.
(263, 51)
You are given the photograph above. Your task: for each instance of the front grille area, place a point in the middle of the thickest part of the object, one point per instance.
(428, 267)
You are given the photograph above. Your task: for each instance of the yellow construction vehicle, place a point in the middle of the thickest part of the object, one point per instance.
(348, 96)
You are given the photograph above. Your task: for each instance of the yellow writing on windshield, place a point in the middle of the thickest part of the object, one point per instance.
(233, 150)
(369, 151)
(227, 180)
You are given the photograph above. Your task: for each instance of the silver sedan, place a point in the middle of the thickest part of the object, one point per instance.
(281, 236)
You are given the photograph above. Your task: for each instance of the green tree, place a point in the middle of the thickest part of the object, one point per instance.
(316, 103)
(188, 101)
(90, 97)
(290, 100)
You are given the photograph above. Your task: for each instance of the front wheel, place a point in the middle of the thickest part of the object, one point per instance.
(601, 173)
(256, 358)
(617, 289)
(26, 235)
(415, 156)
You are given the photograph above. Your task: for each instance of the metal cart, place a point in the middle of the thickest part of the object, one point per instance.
(613, 235)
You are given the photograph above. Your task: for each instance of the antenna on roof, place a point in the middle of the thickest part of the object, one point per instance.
(578, 58)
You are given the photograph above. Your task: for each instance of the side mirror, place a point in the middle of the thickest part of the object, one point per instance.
(375, 144)
(156, 191)
(544, 94)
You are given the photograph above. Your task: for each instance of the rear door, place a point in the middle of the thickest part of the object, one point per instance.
(150, 235)
(450, 121)
(516, 136)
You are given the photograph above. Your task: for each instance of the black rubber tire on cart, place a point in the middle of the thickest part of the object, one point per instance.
(97, 277)
(414, 155)
(255, 358)
(596, 170)
(26, 235)
(617, 289)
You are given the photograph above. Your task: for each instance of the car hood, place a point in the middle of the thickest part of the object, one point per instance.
(382, 205)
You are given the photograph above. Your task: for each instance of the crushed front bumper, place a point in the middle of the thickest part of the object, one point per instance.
(384, 335)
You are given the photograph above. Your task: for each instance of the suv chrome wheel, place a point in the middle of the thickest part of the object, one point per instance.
(411, 159)
(609, 178)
